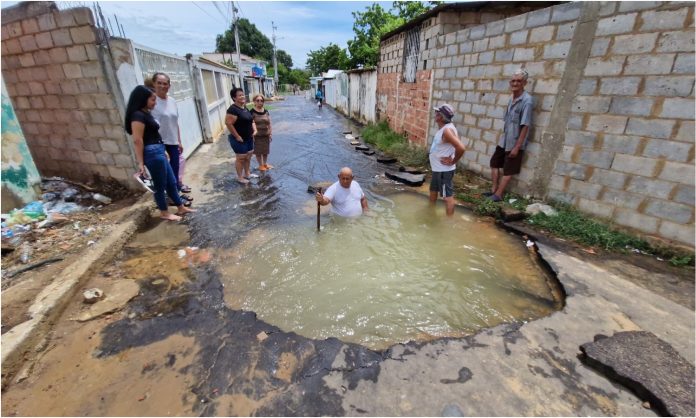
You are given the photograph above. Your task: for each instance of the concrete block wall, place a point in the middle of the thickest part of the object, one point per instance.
(628, 153)
(473, 76)
(406, 106)
(61, 93)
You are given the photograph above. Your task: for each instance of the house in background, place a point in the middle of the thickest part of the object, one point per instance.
(253, 70)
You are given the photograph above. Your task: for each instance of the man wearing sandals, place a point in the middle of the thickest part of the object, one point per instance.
(510, 150)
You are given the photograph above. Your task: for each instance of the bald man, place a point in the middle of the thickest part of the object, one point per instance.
(345, 196)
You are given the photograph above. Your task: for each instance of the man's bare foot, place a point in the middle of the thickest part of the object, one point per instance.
(184, 210)
(170, 217)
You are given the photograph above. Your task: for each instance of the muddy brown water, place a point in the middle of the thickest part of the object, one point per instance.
(251, 319)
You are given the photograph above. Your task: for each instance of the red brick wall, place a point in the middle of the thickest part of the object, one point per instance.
(405, 105)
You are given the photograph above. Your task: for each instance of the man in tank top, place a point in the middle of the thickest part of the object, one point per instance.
(445, 151)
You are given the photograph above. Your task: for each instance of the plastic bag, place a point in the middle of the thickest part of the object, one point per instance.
(34, 210)
(182, 164)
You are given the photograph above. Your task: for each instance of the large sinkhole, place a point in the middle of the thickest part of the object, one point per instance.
(405, 272)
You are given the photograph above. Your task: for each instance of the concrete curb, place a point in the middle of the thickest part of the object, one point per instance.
(50, 303)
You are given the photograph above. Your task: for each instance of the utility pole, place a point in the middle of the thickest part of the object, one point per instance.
(236, 44)
(275, 60)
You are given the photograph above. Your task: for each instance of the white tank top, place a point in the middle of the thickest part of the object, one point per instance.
(438, 150)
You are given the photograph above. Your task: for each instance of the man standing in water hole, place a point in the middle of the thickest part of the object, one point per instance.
(445, 152)
(346, 196)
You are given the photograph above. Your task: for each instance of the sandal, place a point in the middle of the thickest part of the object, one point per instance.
(185, 189)
(186, 197)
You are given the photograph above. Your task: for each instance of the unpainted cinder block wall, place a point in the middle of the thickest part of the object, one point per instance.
(62, 93)
(613, 83)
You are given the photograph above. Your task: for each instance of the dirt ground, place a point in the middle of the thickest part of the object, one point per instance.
(53, 248)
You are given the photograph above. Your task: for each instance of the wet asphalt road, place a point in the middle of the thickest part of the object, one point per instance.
(308, 147)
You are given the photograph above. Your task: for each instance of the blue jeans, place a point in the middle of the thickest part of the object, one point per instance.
(173, 152)
(162, 175)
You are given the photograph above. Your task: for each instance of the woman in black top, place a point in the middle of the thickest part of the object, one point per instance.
(242, 129)
(149, 151)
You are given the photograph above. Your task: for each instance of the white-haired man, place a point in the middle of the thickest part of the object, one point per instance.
(510, 149)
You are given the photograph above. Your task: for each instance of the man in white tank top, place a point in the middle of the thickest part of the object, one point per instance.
(445, 151)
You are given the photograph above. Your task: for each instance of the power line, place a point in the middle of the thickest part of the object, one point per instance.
(211, 16)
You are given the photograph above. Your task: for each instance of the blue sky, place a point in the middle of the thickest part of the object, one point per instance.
(180, 27)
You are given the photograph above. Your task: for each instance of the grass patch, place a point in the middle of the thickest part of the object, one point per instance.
(570, 223)
(389, 142)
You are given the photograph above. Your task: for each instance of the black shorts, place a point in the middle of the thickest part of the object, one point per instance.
(502, 159)
(241, 147)
(441, 182)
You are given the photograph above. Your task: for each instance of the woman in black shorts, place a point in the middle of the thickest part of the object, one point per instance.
(240, 123)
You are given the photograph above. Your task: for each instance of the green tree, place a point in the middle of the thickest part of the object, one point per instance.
(284, 58)
(370, 24)
(251, 41)
(368, 27)
(327, 57)
(409, 10)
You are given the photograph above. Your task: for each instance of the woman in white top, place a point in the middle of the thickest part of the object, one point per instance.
(167, 114)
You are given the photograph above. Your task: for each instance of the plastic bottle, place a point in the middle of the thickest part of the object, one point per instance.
(101, 198)
(25, 252)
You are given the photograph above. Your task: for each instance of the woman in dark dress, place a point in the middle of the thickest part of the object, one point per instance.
(264, 133)
(149, 151)
(242, 129)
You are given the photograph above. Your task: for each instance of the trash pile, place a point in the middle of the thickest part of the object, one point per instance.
(65, 219)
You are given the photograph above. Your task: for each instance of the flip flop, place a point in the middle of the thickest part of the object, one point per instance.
(243, 181)
(185, 189)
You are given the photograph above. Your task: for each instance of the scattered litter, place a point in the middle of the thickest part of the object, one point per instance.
(25, 252)
(90, 243)
(535, 208)
(511, 201)
(92, 295)
(660, 259)
(181, 253)
(101, 198)
(530, 243)
(589, 251)
(88, 231)
(261, 336)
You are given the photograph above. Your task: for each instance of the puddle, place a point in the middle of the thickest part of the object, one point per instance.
(404, 273)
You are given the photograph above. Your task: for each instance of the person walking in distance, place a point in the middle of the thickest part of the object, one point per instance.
(445, 151)
(510, 149)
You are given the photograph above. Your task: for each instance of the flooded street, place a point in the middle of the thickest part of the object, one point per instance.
(246, 309)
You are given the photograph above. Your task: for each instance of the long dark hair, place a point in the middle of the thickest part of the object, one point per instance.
(137, 100)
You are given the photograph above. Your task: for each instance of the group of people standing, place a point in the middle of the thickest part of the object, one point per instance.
(152, 120)
(250, 133)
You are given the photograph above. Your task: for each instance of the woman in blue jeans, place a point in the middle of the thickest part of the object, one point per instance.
(149, 151)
